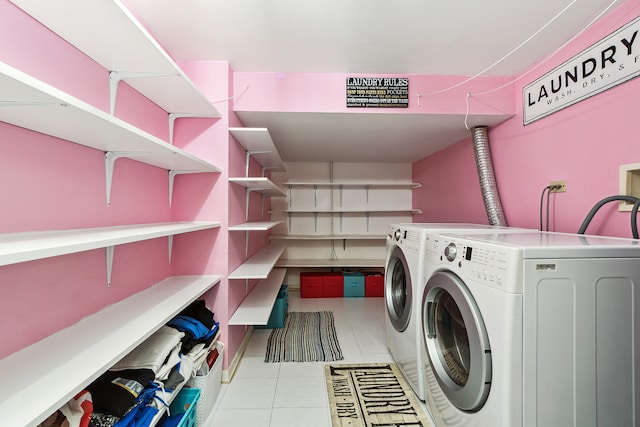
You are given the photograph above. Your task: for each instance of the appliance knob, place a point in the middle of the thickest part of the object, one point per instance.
(397, 235)
(450, 251)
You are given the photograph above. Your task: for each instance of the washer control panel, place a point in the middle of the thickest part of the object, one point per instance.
(490, 264)
(407, 238)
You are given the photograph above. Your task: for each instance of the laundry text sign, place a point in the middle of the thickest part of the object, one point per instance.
(378, 92)
(613, 60)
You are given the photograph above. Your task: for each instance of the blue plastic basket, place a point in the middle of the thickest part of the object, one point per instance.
(185, 403)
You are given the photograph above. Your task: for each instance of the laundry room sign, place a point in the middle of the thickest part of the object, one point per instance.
(613, 60)
(378, 92)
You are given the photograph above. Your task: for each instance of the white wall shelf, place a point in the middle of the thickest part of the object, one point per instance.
(261, 185)
(258, 144)
(109, 34)
(30, 246)
(327, 237)
(353, 210)
(255, 226)
(32, 104)
(257, 305)
(332, 263)
(39, 379)
(260, 264)
(354, 184)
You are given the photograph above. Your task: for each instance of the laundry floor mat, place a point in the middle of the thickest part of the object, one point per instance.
(364, 395)
(305, 337)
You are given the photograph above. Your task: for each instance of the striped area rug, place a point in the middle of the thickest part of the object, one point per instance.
(306, 337)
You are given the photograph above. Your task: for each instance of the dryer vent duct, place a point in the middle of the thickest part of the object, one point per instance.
(487, 179)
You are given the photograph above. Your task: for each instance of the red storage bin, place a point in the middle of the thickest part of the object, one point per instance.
(332, 285)
(373, 285)
(311, 284)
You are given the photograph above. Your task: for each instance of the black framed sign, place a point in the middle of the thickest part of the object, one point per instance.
(378, 92)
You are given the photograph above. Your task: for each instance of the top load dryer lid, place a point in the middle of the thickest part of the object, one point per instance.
(551, 245)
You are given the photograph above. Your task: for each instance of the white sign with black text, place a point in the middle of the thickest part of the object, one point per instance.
(613, 60)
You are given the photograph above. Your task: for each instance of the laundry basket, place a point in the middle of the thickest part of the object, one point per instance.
(209, 386)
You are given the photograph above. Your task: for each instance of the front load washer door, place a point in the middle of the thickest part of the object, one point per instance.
(397, 290)
(456, 341)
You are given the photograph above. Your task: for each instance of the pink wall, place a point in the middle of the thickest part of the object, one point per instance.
(583, 144)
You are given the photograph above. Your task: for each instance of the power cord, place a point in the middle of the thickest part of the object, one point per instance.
(547, 190)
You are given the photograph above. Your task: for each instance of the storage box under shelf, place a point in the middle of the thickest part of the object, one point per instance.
(353, 284)
(373, 284)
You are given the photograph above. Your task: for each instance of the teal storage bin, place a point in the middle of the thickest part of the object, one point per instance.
(185, 405)
(279, 311)
(353, 284)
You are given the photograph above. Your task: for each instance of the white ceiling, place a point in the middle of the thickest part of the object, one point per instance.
(452, 37)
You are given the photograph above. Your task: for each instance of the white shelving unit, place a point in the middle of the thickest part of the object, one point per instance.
(109, 34)
(42, 377)
(344, 210)
(38, 379)
(256, 307)
(32, 104)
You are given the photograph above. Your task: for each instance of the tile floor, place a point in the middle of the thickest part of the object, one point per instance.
(294, 394)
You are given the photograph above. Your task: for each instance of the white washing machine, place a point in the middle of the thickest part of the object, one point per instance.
(532, 329)
(404, 281)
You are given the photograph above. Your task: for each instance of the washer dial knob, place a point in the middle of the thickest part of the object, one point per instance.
(450, 251)
(397, 234)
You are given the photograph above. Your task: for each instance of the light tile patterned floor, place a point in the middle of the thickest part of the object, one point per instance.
(294, 394)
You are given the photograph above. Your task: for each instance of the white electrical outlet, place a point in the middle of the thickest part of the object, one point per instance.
(562, 186)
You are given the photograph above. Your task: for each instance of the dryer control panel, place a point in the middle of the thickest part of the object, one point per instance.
(489, 264)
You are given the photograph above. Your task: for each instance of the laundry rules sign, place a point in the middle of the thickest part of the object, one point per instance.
(613, 60)
(378, 92)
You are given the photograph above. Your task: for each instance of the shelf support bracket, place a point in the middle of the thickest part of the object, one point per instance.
(172, 177)
(174, 116)
(110, 158)
(290, 196)
(367, 192)
(116, 76)
(170, 245)
(247, 157)
(109, 251)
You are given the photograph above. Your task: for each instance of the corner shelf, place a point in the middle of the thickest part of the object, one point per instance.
(29, 246)
(259, 265)
(67, 361)
(109, 34)
(257, 305)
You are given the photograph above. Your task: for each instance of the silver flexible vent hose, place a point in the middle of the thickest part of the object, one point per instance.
(487, 179)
